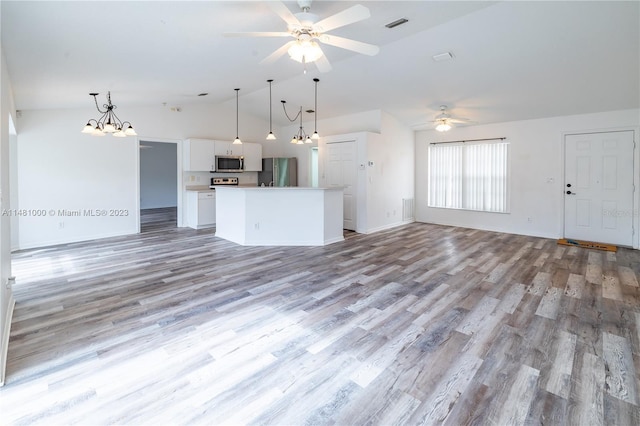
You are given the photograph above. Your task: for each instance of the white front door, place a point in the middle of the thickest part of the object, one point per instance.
(598, 187)
(342, 171)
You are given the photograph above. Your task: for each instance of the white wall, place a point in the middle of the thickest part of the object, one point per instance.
(368, 121)
(158, 175)
(385, 166)
(60, 168)
(7, 302)
(536, 171)
(391, 178)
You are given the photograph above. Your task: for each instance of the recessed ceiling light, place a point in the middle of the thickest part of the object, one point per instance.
(442, 57)
(397, 22)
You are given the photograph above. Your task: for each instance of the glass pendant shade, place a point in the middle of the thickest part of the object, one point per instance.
(88, 128)
(237, 141)
(308, 140)
(109, 128)
(130, 131)
(271, 136)
(97, 132)
(443, 127)
(305, 51)
(294, 139)
(119, 134)
(315, 136)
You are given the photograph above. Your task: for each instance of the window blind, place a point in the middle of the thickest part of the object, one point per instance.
(469, 176)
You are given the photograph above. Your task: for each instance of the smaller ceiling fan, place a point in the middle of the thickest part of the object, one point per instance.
(308, 29)
(444, 120)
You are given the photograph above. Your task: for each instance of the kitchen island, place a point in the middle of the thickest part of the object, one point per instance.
(279, 216)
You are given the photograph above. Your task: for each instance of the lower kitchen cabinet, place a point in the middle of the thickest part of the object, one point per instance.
(201, 209)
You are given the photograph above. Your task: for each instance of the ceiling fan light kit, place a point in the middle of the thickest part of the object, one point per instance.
(443, 126)
(108, 121)
(444, 121)
(309, 31)
(305, 50)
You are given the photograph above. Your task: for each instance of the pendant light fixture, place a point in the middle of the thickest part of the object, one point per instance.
(315, 112)
(237, 140)
(108, 122)
(270, 136)
(301, 136)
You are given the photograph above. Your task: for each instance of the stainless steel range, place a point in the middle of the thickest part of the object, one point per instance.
(223, 181)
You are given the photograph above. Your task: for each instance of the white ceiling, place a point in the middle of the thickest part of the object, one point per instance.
(512, 60)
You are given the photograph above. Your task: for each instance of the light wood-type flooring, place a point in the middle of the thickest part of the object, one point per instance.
(420, 324)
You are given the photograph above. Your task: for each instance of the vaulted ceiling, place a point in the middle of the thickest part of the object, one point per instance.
(511, 60)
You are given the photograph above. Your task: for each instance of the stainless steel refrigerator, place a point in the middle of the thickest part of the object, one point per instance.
(278, 172)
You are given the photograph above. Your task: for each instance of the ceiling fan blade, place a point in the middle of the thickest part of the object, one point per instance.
(323, 64)
(345, 43)
(259, 34)
(459, 120)
(283, 12)
(348, 16)
(277, 54)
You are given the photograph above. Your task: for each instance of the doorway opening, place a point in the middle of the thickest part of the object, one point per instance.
(313, 167)
(158, 185)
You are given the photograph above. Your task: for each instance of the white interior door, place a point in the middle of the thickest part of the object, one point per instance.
(342, 171)
(598, 191)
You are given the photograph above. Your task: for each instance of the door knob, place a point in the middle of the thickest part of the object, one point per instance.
(571, 193)
(568, 185)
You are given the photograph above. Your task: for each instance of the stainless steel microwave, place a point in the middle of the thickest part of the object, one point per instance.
(228, 163)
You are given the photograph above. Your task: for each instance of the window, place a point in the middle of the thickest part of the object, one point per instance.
(469, 176)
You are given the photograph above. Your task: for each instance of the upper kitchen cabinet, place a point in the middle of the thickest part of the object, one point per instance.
(199, 155)
(228, 148)
(252, 157)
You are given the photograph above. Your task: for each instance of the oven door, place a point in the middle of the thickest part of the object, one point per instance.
(232, 164)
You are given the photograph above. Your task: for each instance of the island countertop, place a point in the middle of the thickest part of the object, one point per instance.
(280, 216)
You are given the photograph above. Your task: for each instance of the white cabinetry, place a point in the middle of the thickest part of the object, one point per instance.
(199, 155)
(252, 157)
(227, 148)
(201, 209)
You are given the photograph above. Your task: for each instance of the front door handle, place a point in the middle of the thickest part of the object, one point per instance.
(571, 193)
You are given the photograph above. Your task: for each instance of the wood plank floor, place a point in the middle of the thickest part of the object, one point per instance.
(421, 324)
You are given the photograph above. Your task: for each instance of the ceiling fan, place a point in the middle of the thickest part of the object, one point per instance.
(444, 120)
(308, 29)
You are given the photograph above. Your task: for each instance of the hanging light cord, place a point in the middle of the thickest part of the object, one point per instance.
(270, 127)
(294, 119)
(315, 110)
(237, 92)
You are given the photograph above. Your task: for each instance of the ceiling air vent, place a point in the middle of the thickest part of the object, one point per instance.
(397, 22)
(442, 57)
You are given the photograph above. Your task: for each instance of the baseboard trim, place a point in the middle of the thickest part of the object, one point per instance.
(4, 349)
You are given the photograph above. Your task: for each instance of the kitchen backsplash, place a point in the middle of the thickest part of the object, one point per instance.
(204, 178)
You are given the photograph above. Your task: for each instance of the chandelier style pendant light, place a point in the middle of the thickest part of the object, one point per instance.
(237, 140)
(108, 122)
(301, 136)
(270, 136)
